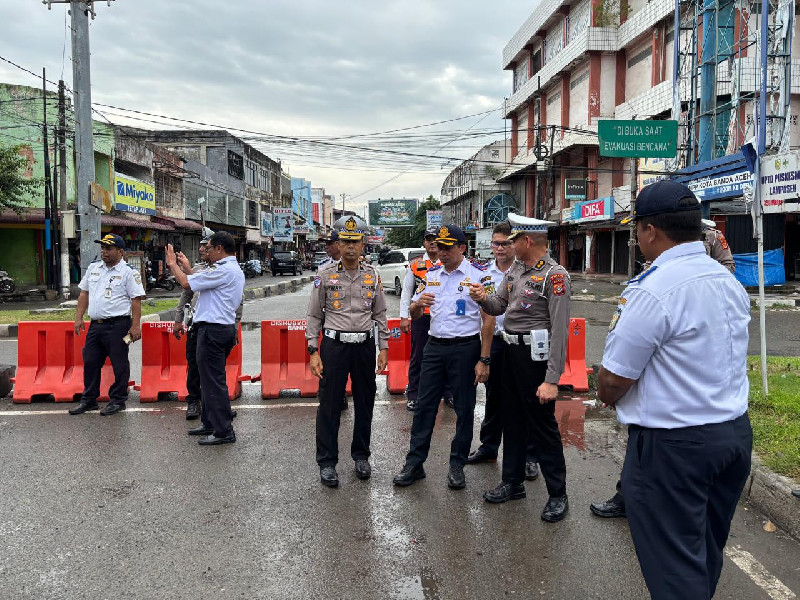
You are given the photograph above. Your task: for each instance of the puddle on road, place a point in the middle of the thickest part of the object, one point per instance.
(419, 587)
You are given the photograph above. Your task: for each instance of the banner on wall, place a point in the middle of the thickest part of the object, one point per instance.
(392, 213)
(433, 218)
(266, 224)
(132, 195)
(780, 183)
(282, 225)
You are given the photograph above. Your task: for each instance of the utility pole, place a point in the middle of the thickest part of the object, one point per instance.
(632, 241)
(49, 272)
(84, 149)
(62, 180)
(343, 195)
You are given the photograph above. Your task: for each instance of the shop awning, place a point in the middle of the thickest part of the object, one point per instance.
(115, 221)
(183, 224)
(34, 216)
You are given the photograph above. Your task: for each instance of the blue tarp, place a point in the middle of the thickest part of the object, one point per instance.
(747, 268)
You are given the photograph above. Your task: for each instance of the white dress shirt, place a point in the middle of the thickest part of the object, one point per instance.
(111, 289)
(680, 330)
(222, 285)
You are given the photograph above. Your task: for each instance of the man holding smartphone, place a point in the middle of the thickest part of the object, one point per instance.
(112, 292)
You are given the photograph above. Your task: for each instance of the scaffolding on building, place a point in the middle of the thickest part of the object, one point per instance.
(718, 69)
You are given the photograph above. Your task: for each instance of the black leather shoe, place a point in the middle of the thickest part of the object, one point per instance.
(481, 456)
(202, 430)
(455, 478)
(213, 440)
(505, 492)
(363, 470)
(555, 509)
(609, 509)
(328, 476)
(448, 400)
(83, 407)
(531, 471)
(409, 475)
(192, 410)
(110, 409)
(233, 414)
(411, 405)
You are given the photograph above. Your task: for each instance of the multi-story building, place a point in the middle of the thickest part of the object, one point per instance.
(471, 197)
(576, 62)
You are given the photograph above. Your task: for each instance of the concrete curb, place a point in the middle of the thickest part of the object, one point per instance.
(275, 289)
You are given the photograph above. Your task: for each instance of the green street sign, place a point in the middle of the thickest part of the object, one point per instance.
(638, 139)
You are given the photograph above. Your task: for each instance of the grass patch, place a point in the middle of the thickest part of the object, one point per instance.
(12, 317)
(776, 418)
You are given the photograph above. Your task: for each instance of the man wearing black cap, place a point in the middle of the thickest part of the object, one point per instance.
(675, 369)
(333, 251)
(112, 293)
(454, 354)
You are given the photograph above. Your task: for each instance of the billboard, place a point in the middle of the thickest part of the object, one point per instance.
(132, 195)
(434, 219)
(392, 213)
(266, 224)
(282, 225)
(780, 190)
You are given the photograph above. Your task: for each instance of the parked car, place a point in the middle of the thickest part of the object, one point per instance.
(319, 258)
(392, 267)
(286, 262)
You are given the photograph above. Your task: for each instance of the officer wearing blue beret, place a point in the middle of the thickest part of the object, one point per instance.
(675, 369)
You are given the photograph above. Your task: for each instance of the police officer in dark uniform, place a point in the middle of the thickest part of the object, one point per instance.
(349, 297)
(220, 287)
(189, 299)
(535, 297)
(454, 354)
(112, 292)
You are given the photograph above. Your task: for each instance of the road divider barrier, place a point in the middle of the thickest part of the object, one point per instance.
(50, 363)
(399, 358)
(575, 372)
(164, 365)
(285, 363)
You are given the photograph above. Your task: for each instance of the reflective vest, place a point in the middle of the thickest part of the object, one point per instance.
(419, 268)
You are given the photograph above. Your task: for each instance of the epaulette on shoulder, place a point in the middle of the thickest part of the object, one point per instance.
(640, 277)
(480, 266)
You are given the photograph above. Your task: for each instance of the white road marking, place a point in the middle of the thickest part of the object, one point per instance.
(182, 407)
(759, 574)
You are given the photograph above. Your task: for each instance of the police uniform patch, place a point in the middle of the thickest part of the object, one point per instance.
(722, 241)
(615, 319)
(137, 278)
(557, 281)
(485, 279)
(537, 278)
(420, 287)
(525, 305)
(317, 281)
(336, 304)
(623, 301)
(538, 265)
(335, 294)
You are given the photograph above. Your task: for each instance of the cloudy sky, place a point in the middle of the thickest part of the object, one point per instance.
(321, 69)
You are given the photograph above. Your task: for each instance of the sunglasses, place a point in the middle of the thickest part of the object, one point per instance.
(505, 244)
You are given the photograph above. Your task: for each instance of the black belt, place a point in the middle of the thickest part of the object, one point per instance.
(198, 323)
(454, 340)
(111, 319)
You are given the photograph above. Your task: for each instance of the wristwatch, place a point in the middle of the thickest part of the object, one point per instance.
(485, 360)
(312, 351)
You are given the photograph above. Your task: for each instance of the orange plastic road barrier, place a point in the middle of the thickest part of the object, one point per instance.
(399, 358)
(285, 366)
(50, 362)
(575, 371)
(164, 365)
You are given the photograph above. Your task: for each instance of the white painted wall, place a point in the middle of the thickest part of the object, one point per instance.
(608, 81)
(638, 77)
(635, 6)
(522, 130)
(553, 110)
(604, 178)
(579, 96)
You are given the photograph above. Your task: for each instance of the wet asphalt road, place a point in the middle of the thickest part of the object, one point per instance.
(128, 506)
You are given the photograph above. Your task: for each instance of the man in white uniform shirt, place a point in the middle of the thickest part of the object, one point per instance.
(675, 368)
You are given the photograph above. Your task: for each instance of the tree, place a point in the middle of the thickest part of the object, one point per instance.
(411, 237)
(15, 188)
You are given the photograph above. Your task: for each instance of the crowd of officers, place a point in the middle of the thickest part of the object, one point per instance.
(674, 366)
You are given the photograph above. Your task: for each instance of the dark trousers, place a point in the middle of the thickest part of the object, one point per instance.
(214, 344)
(104, 340)
(338, 361)
(681, 488)
(442, 364)
(524, 418)
(419, 339)
(192, 373)
(492, 426)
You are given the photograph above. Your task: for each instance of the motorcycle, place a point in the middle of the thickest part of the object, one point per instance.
(7, 284)
(251, 268)
(163, 281)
